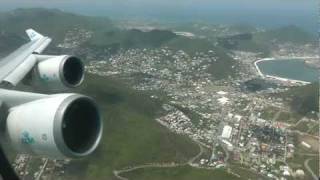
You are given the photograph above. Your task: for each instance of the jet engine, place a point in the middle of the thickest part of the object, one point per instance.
(58, 126)
(57, 72)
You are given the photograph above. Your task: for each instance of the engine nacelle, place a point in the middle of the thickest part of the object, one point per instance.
(60, 126)
(57, 72)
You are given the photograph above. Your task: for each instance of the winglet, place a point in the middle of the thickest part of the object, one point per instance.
(33, 35)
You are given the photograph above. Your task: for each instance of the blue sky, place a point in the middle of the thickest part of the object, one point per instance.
(261, 3)
(257, 4)
(303, 5)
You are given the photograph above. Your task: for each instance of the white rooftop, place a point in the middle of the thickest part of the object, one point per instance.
(223, 100)
(226, 132)
(222, 92)
(238, 117)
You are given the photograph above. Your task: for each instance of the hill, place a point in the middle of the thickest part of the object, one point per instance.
(243, 42)
(287, 34)
(133, 38)
(56, 23)
(303, 100)
(105, 38)
(265, 41)
(53, 22)
(131, 135)
(180, 173)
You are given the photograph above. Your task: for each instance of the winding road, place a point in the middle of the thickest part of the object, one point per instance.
(306, 165)
(117, 173)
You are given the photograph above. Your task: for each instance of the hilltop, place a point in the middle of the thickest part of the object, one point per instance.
(266, 41)
(98, 38)
(52, 22)
(303, 100)
(287, 34)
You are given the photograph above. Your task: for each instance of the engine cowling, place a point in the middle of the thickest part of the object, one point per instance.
(58, 72)
(60, 126)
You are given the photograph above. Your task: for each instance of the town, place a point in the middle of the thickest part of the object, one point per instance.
(236, 126)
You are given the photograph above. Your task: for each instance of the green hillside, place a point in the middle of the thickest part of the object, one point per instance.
(189, 45)
(53, 22)
(243, 42)
(264, 41)
(106, 39)
(303, 100)
(131, 135)
(287, 34)
(56, 23)
(180, 173)
(133, 38)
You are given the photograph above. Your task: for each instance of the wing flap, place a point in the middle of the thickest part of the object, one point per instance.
(21, 71)
(11, 62)
(43, 46)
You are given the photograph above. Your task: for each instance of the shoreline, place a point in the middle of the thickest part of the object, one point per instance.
(272, 77)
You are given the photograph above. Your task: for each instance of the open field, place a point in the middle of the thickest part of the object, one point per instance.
(180, 173)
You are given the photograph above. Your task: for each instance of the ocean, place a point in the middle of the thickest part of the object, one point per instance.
(292, 69)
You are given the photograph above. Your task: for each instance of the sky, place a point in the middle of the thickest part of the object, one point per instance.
(303, 13)
(256, 4)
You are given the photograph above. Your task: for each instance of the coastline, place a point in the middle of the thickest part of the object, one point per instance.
(272, 77)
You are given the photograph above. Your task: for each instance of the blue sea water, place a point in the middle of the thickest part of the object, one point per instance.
(292, 68)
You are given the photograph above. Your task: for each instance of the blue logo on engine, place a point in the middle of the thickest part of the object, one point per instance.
(26, 138)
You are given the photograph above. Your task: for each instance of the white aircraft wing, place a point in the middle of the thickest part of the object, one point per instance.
(63, 125)
(15, 66)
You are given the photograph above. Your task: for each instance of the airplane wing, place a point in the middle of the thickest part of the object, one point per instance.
(63, 125)
(15, 66)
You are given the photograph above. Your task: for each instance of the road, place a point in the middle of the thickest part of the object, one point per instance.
(276, 116)
(42, 169)
(117, 173)
(156, 165)
(306, 165)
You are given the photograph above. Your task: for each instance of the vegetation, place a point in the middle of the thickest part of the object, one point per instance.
(298, 163)
(224, 66)
(288, 34)
(180, 173)
(246, 172)
(264, 41)
(133, 38)
(53, 23)
(309, 127)
(314, 165)
(269, 112)
(244, 42)
(194, 117)
(106, 38)
(303, 100)
(131, 135)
